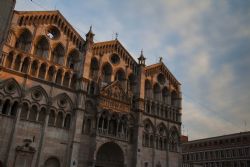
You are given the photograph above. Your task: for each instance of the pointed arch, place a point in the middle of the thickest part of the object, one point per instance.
(17, 62)
(42, 71)
(59, 119)
(59, 76)
(24, 111)
(51, 73)
(25, 65)
(73, 59)
(107, 72)
(42, 47)
(58, 54)
(41, 90)
(148, 126)
(14, 84)
(34, 68)
(94, 67)
(24, 40)
(66, 79)
(67, 121)
(9, 60)
(66, 97)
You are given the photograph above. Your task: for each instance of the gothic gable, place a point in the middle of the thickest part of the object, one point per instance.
(116, 92)
(161, 68)
(114, 98)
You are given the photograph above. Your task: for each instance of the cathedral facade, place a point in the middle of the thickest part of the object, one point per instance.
(68, 101)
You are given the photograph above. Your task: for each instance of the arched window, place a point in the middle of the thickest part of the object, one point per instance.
(17, 63)
(25, 65)
(14, 109)
(157, 92)
(73, 81)
(165, 94)
(24, 40)
(174, 99)
(148, 89)
(42, 47)
(33, 113)
(132, 83)
(59, 76)
(42, 71)
(107, 73)
(120, 75)
(9, 60)
(6, 107)
(51, 118)
(94, 68)
(72, 60)
(58, 54)
(66, 79)
(67, 121)
(34, 68)
(59, 120)
(24, 111)
(42, 115)
(52, 162)
(51, 73)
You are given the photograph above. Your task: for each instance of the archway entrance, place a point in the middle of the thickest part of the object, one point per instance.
(110, 155)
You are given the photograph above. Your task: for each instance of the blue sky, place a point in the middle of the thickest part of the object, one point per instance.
(206, 45)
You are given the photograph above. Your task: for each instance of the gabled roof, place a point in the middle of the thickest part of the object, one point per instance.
(48, 17)
(154, 68)
(117, 47)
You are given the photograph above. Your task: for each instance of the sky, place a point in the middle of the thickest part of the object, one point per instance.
(205, 44)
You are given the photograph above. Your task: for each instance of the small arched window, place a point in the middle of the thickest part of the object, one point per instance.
(59, 120)
(34, 68)
(59, 76)
(24, 111)
(9, 60)
(51, 73)
(25, 65)
(67, 121)
(51, 118)
(33, 113)
(66, 79)
(17, 63)
(42, 115)
(14, 109)
(42, 71)
(94, 68)
(6, 107)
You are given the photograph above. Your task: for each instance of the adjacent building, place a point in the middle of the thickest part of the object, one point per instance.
(68, 101)
(223, 151)
(6, 11)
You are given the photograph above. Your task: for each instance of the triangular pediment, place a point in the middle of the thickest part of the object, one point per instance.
(161, 68)
(115, 91)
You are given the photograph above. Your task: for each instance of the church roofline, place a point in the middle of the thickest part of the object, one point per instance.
(116, 42)
(56, 12)
(165, 67)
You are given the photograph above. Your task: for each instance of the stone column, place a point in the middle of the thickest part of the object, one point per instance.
(9, 159)
(42, 139)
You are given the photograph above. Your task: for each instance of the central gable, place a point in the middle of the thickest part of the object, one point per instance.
(114, 98)
(115, 91)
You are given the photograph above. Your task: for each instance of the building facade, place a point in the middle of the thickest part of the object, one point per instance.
(223, 151)
(68, 101)
(6, 11)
